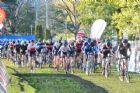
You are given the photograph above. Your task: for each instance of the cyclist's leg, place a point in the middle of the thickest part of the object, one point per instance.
(63, 62)
(121, 69)
(126, 71)
(107, 67)
(84, 62)
(88, 64)
(103, 66)
(72, 62)
(57, 62)
(67, 64)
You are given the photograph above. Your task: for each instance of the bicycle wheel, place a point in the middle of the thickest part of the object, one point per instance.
(107, 69)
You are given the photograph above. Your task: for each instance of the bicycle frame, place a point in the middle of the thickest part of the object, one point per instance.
(106, 66)
(123, 69)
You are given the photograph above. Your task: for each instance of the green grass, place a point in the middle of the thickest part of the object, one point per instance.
(48, 80)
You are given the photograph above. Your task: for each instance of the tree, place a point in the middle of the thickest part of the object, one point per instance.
(127, 19)
(12, 8)
(25, 19)
(70, 11)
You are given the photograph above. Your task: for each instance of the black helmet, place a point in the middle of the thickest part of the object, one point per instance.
(108, 43)
(125, 41)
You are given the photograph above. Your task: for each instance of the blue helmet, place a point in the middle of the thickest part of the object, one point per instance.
(65, 43)
(72, 43)
(89, 40)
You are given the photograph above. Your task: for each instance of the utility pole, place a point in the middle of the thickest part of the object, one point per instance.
(36, 12)
(31, 29)
(66, 30)
(47, 25)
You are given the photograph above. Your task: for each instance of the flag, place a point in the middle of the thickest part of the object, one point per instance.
(97, 29)
(2, 15)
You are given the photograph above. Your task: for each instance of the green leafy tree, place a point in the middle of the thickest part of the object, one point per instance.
(70, 11)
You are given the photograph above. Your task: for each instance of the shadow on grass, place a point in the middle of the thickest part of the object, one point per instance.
(59, 83)
(56, 83)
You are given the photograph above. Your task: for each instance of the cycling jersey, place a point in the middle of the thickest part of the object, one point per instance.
(18, 46)
(23, 49)
(40, 46)
(55, 50)
(31, 49)
(49, 46)
(106, 50)
(123, 49)
(71, 51)
(79, 47)
(95, 49)
(64, 50)
(11, 45)
(86, 48)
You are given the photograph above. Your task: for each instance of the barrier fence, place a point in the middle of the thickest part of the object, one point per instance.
(4, 78)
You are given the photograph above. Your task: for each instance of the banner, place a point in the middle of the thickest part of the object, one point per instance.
(2, 15)
(97, 29)
(20, 38)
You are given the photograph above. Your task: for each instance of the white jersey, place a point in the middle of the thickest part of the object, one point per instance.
(31, 47)
(64, 48)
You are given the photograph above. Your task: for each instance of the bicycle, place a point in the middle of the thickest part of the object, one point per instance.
(18, 59)
(123, 69)
(32, 63)
(89, 64)
(106, 66)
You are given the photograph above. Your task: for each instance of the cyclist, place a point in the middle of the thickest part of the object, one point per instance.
(78, 48)
(71, 56)
(32, 53)
(95, 51)
(11, 46)
(86, 48)
(17, 48)
(64, 53)
(123, 53)
(23, 52)
(56, 55)
(49, 47)
(106, 51)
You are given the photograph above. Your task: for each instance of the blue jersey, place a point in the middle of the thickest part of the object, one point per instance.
(87, 48)
(95, 49)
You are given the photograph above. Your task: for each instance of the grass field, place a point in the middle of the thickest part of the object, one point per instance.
(47, 80)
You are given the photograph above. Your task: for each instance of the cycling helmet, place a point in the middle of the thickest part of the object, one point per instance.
(49, 41)
(108, 43)
(22, 42)
(89, 40)
(94, 41)
(72, 43)
(124, 41)
(65, 43)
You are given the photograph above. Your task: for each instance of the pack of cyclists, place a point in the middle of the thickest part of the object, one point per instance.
(83, 54)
